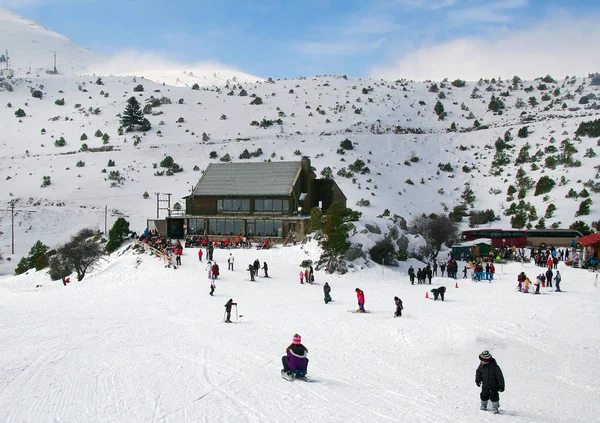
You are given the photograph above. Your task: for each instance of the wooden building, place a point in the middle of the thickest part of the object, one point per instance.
(254, 199)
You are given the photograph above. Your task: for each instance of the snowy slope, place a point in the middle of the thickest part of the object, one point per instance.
(136, 341)
(316, 115)
(30, 45)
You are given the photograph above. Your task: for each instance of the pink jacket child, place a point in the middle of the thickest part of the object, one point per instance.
(301, 276)
(360, 295)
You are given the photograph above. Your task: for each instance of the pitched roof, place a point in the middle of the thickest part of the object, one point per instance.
(253, 178)
(589, 239)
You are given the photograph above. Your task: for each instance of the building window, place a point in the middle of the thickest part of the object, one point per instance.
(239, 205)
(286, 205)
(220, 227)
(212, 227)
(259, 204)
(250, 227)
(195, 226)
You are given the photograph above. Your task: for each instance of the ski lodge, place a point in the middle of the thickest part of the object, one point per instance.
(255, 199)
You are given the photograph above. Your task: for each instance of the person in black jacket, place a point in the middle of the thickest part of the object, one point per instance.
(228, 306)
(399, 307)
(489, 377)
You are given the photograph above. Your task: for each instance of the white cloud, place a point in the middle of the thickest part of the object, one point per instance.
(372, 25)
(561, 45)
(133, 62)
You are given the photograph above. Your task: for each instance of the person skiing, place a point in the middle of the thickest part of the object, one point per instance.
(557, 280)
(251, 270)
(360, 295)
(327, 292)
(438, 292)
(215, 270)
(295, 360)
(489, 377)
(411, 275)
(200, 253)
(399, 307)
(230, 262)
(212, 287)
(228, 306)
(210, 250)
(265, 269)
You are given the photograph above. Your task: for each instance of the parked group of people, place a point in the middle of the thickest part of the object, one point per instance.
(524, 284)
(481, 271)
(307, 275)
(253, 269)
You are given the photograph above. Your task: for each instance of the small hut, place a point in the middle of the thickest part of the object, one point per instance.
(480, 247)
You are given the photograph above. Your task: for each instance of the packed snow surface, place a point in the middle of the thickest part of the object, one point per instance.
(138, 342)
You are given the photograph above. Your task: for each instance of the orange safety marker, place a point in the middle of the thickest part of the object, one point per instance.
(426, 294)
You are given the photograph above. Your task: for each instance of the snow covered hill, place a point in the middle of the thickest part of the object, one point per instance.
(406, 158)
(135, 341)
(30, 45)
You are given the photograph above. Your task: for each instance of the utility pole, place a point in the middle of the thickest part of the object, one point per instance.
(105, 218)
(157, 203)
(12, 220)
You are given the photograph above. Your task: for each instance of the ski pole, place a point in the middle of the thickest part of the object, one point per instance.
(236, 313)
(224, 313)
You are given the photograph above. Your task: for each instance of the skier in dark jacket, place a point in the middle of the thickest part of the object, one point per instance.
(489, 377)
(438, 292)
(399, 307)
(326, 292)
(295, 359)
(228, 306)
(266, 269)
(252, 272)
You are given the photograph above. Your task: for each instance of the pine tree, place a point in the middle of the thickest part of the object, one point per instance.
(439, 110)
(132, 115)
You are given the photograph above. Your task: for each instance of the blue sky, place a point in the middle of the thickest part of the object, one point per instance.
(309, 37)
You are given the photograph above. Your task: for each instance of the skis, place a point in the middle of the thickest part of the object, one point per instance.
(358, 311)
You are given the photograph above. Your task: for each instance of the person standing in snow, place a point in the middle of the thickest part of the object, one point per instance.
(215, 271)
(399, 307)
(212, 288)
(435, 266)
(360, 295)
(549, 277)
(301, 277)
(209, 269)
(265, 269)
(256, 266)
(489, 377)
(557, 280)
(228, 306)
(443, 268)
(465, 273)
(295, 358)
(230, 262)
(411, 275)
(327, 292)
(210, 250)
(251, 270)
(200, 254)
